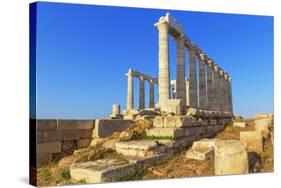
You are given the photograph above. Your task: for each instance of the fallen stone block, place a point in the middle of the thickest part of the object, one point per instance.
(253, 140)
(200, 154)
(239, 124)
(104, 170)
(165, 133)
(48, 147)
(231, 157)
(140, 148)
(106, 127)
(46, 125)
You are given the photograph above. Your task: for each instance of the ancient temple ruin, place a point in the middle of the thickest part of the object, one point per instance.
(211, 92)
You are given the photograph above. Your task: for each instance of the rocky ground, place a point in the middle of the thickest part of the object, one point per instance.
(177, 166)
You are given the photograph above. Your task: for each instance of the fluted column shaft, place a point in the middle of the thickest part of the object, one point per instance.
(151, 94)
(130, 91)
(216, 85)
(180, 81)
(141, 94)
(202, 86)
(164, 70)
(210, 88)
(192, 78)
(230, 97)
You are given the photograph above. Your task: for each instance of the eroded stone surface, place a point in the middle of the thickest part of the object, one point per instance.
(231, 157)
(253, 139)
(103, 170)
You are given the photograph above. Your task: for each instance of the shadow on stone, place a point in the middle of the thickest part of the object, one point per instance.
(254, 162)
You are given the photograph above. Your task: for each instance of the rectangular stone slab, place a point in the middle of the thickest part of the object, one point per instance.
(137, 145)
(173, 133)
(104, 170)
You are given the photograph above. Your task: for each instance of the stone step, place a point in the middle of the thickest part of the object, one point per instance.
(140, 148)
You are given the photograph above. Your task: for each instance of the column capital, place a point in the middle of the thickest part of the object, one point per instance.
(141, 78)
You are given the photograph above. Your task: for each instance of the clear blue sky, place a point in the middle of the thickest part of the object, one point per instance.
(84, 51)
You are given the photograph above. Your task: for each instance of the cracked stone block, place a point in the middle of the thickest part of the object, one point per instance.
(172, 133)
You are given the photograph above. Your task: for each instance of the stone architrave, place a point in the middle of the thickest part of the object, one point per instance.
(130, 91)
(141, 94)
(180, 81)
(164, 69)
(202, 85)
(151, 94)
(192, 78)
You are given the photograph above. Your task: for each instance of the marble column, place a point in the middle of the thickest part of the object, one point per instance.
(210, 87)
(130, 91)
(230, 96)
(221, 91)
(202, 85)
(216, 85)
(226, 93)
(151, 94)
(192, 78)
(141, 94)
(180, 81)
(164, 69)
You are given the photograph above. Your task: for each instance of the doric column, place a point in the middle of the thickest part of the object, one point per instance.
(202, 85)
(192, 78)
(230, 96)
(216, 85)
(226, 93)
(151, 94)
(141, 94)
(130, 91)
(210, 86)
(221, 91)
(180, 81)
(164, 70)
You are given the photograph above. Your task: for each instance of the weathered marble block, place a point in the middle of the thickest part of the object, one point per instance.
(231, 157)
(253, 140)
